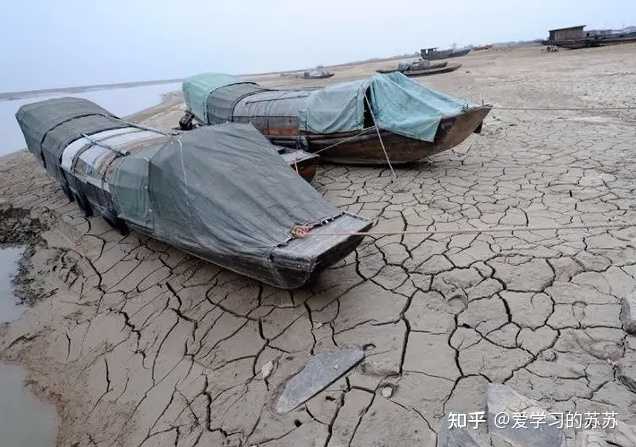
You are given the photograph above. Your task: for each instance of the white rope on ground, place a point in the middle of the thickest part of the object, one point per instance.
(375, 124)
(475, 230)
(590, 109)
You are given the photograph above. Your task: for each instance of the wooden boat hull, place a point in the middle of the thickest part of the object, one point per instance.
(365, 149)
(300, 261)
(202, 192)
(430, 67)
(277, 114)
(444, 54)
(323, 76)
(431, 71)
(303, 163)
(326, 245)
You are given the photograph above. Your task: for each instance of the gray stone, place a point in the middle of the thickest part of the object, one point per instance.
(628, 313)
(320, 371)
(503, 399)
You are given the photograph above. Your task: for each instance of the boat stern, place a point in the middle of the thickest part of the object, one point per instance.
(303, 258)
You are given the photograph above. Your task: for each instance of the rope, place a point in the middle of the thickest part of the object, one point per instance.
(473, 230)
(375, 124)
(367, 129)
(105, 146)
(344, 140)
(149, 129)
(591, 109)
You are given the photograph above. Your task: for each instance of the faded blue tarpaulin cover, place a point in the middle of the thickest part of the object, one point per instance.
(400, 105)
(336, 108)
(196, 90)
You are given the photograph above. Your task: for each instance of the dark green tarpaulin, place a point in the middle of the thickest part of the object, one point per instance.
(196, 90)
(220, 188)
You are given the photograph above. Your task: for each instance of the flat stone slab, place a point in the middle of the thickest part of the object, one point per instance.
(628, 314)
(504, 403)
(320, 371)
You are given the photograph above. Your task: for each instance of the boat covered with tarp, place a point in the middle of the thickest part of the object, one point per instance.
(221, 193)
(345, 122)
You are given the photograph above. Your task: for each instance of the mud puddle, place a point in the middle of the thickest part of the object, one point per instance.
(25, 421)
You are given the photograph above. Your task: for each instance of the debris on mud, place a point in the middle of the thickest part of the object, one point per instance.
(320, 371)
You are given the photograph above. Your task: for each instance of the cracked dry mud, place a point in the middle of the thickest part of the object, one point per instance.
(141, 345)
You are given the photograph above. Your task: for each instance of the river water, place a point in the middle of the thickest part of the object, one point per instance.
(120, 101)
(25, 421)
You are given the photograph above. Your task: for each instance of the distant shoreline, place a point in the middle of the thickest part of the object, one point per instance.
(12, 96)
(24, 94)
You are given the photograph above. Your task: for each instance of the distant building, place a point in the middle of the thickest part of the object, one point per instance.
(570, 33)
(575, 37)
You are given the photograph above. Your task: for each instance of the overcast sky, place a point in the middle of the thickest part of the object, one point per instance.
(54, 43)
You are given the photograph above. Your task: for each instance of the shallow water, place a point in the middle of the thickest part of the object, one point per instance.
(120, 101)
(9, 307)
(25, 421)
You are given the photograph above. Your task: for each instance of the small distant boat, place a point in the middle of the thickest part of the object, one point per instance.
(421, 64)
(221, 193)
(343, 122)
(435, 54)
(434, 71)
(317, 73)
(423, 67)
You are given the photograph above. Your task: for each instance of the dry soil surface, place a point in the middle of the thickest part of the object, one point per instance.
(140, 344)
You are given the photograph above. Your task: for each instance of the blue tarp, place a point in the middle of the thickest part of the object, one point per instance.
(400, 105)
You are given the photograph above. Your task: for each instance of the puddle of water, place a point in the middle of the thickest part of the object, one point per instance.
(9, 308)
(25, 421)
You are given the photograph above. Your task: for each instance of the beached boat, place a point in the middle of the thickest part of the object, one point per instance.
(221, 193)
(423, 68)
(435, 54)
(421, 64)
(433, 71)
(317, 73)
(341, 121)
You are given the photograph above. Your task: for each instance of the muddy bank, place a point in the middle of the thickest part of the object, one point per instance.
(139, 344)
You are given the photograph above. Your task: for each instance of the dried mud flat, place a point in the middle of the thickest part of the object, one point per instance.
(139, 344)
